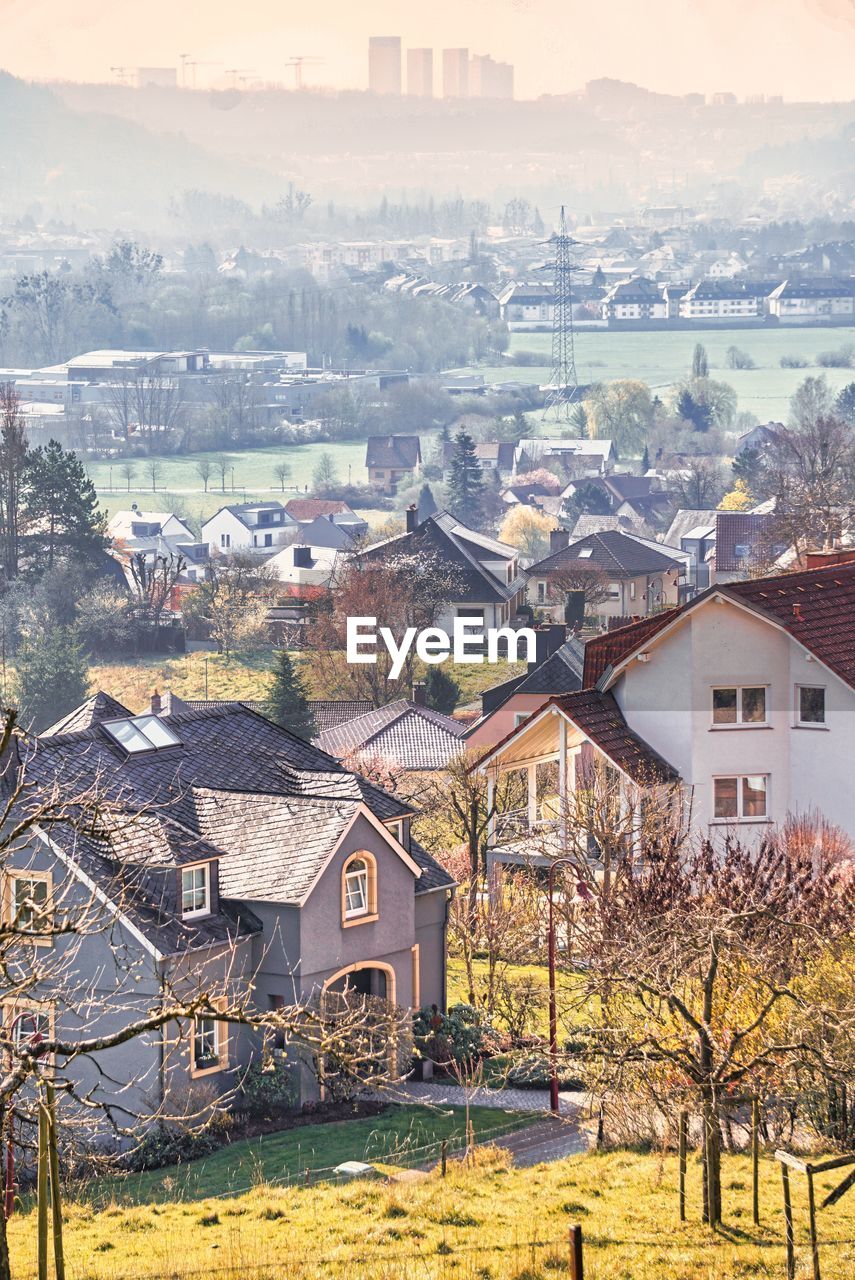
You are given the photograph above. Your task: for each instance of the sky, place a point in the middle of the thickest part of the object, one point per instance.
(803, 49)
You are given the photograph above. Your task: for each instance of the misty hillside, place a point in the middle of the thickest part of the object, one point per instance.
(100, 170)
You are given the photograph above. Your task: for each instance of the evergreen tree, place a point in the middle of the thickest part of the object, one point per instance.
(579, 421)
(465, 482)
(441, 690)
(61, 505)
(287, 701)
(700, 363)
(51, 677)
(426, 503)
(645, 461)
(598, 279)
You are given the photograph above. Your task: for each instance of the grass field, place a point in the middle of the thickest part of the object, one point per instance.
(244, 676)
(535, 974)
(401, 1135)
(487, 1222)
(661, 358)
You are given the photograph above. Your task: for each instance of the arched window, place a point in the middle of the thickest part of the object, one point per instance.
(359, 889)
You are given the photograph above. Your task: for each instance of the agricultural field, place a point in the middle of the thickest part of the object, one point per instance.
(484, 1221)
(661, 358)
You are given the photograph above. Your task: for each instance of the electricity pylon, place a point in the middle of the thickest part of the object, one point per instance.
(563, 385)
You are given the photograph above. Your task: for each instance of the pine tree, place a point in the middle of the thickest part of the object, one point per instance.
(51, 677)
(645, 461)
(700, 363)
(287, 701)
(441, 690)
(465, 482)
(426, 503)
(62, 509)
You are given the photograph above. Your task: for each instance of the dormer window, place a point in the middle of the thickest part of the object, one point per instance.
(141, 733)
(196, 891)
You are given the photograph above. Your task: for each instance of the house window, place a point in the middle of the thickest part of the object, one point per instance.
(520, 716)
(614, 591)
(26, 1025)
(740, 799)
(541, 592)
(196, 890)
(28, 903)
(225, 539)
(741, 704)
(141, 733)
(359, 889)
(810, 705)
(632, 591)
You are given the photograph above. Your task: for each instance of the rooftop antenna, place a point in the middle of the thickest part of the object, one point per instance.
(563, 386)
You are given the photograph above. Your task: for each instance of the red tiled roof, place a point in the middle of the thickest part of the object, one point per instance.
(600, 719)
(816, 606)
(311, 508)
(610, 649)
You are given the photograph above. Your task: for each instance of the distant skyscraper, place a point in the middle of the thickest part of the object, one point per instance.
(455, 73)
(384, 64)
(489, 79)
(420, 73)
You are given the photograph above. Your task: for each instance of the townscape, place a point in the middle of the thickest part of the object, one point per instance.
(427, 651)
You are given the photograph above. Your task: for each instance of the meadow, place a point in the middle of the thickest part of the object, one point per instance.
(661, 358)
(484, 1221)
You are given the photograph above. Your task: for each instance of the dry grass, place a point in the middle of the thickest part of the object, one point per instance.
(486, 1223)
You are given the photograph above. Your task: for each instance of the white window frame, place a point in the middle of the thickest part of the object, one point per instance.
(25, 933)
(368, 881)
(220, 1032)
(356, 886)
(740, 779)
(205, 909)
(614, 591)
(739, 723)
(811, 724)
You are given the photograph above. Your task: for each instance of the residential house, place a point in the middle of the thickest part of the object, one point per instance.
(579, 457)
(722, 300)
(741, 703)
(506, 705)
(389, 459)
(488, 584)
(307, 510)
(405, 734)
(638, 577)
(795, 301)
(156, 533)
(243, 860)
(249, 526)
(309, 563)
(633, 300)
(746, 543)
(527, 306)
(498, 454)
(763, 436)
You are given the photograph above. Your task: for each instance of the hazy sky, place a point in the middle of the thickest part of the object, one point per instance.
(804, 49)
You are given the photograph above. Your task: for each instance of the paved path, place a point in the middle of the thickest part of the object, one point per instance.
(551, 1138)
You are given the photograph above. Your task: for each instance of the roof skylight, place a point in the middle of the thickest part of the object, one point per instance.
(141, 733)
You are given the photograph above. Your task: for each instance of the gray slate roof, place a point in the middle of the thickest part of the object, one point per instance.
(268, 806)
(611, 552)
(411, 736)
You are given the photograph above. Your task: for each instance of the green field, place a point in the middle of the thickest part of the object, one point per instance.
(661, 358)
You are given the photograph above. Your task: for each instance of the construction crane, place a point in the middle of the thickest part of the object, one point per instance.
(195, 64)
(240, 73)
(122, 73)
(298, 62)
(182, 58)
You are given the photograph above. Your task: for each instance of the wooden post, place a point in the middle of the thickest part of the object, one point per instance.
(42, 1193)
(814, 1247)
(788, 1222)
(755, 1160)
(683, 1129)
(444, 1156)
(55, 1194)
(577, 1262)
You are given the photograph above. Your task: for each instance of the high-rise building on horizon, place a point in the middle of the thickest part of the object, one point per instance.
(455, 73)
(384, 64)
(420, 73)
(490, 79)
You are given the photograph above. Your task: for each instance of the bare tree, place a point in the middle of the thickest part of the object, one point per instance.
(234, 600)
(155, 471)
(154, 579)
(204, 468)
(811, 474)
(698, 485)
(282, 472)
(223, 463)
(128, 471)
(593, 583)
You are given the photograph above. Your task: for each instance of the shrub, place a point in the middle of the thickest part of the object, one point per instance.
(457, 1036)
(172, 1144)
(793, 362)
(739, 359)
(532, 1072)
(268, 1088)
(843, 358)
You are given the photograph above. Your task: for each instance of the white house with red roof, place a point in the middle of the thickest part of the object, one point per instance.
(743, 700)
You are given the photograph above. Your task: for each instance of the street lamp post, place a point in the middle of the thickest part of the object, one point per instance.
(553, 1009)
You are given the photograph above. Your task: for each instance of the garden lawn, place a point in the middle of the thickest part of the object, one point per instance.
(569, 1014)
(401, 1135)
(486, 1222)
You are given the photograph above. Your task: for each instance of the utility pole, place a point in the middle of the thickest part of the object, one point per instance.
(563, 385)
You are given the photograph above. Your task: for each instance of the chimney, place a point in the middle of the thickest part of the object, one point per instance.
(419, 694)
(558, 540)
(412, 517)
(156, 704)
(547, 640)
(829, 556)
